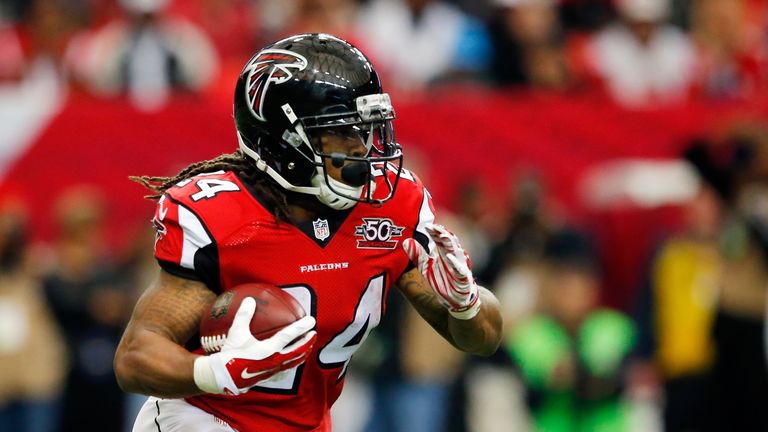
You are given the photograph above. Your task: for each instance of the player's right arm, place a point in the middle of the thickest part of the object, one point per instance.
(151, 358)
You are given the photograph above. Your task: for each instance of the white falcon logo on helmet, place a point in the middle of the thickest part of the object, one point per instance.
(270, 66)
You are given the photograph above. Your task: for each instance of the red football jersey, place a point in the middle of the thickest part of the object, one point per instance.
(339, 267)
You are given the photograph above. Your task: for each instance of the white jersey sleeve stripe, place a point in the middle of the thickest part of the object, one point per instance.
(195, 237)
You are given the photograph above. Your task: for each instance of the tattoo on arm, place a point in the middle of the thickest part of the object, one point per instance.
(480, 335)
(151, 358)
(176, 308)
(425, 301)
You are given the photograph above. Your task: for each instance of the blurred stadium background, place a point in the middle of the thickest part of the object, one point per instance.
(605, 162)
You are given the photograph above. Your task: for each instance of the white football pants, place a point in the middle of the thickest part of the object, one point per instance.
(176, 415)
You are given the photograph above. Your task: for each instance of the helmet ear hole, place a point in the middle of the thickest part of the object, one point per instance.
(297, 169)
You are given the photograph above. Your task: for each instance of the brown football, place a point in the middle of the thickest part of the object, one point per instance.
(275, 309)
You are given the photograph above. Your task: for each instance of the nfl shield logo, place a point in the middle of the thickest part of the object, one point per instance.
(321, 229)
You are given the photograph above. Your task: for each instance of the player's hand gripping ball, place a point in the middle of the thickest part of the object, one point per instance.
(275, 309)
(251, 333)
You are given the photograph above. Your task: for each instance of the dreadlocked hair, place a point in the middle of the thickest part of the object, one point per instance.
(235, 162)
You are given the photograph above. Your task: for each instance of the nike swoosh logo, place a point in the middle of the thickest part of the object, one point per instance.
(246, 375)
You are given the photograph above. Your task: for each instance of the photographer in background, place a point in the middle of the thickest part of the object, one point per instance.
(33, 360)
(572, 355)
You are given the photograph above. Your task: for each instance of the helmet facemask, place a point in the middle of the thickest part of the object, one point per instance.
(372, 124)
(293, 92)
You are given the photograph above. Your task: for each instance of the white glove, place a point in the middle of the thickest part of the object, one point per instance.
(447, 270)
(244, 360)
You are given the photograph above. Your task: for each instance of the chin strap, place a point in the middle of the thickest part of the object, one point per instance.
(319, 187)
(333, 199)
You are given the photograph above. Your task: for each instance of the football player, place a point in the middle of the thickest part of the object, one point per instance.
(315, 200)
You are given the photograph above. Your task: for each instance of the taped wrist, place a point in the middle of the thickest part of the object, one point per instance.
(205, 378)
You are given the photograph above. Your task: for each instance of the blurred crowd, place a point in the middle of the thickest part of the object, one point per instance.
(687, 354)
(641, 52)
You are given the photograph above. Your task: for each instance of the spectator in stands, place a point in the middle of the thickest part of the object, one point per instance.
(736, 166)
(529, 226)
(33, 45)
(527, 44)
(32, 352)
(336, 17)
(585, 15)
(10, 10)
(474, 216)
(421, 42)
(232, 26)
(91, 311)
(677, 314)
(641, 60)
(739, 372)
(32, 88)
(571, 356)
(12, 58)
(731, 40)
(146, 55)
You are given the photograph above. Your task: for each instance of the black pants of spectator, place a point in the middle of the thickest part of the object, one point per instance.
(688, 403)
(740, 375)
(91, 406)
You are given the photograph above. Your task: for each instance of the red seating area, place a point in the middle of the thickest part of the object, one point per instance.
(461, 135)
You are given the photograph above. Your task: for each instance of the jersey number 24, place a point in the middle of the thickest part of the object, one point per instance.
(339, 350)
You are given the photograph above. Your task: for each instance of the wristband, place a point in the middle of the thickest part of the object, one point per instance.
(204, 377)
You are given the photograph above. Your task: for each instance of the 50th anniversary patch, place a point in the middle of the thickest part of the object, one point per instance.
(377, 233)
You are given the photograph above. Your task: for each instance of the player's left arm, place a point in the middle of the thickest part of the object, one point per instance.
(478, 335)
(443, 291)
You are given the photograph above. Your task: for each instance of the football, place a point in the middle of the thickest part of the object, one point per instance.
(275, 309)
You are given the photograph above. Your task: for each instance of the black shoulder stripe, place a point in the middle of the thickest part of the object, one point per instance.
(208, 268)
(179, 271)
(420, 236)
(422, 239)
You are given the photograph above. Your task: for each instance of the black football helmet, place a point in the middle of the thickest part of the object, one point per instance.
(293, 89)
